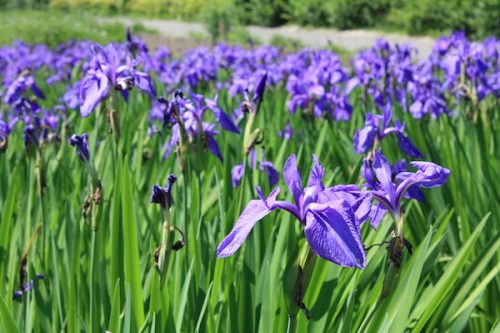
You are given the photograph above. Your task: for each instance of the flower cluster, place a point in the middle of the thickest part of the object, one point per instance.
(332, 216)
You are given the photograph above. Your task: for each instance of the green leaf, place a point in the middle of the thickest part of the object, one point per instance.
(9, 323)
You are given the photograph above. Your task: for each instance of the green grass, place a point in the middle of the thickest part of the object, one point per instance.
(105, 278)
(52, 27)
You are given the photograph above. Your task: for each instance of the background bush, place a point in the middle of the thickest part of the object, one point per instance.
(478, 18)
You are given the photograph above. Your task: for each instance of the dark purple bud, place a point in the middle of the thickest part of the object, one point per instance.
(162, 195)
(259, 91)
(80, 143)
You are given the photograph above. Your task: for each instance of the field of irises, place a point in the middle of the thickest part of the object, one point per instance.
(132, 182)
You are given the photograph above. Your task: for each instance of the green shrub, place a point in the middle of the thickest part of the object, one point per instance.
(219, 17)
(312, 12)
(262, 12)
(477, 18)
(349, 14)
(54, 27)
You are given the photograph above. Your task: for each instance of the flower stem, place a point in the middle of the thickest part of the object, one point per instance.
(164, 254)
(40, 187)
(395, 252)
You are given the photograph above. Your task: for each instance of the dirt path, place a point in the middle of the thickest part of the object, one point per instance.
(352, 40)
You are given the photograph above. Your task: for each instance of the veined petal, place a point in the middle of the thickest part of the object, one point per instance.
(332, 232)
(317, 173)
(382, 170)
(292, 178)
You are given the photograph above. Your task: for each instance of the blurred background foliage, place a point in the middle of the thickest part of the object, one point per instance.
(478, 18)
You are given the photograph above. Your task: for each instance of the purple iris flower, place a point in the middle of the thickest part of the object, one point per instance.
(81, 145)
(389, 195)
(377, 128)
(163, 195)
(107, 71)
(330, 217)
(187, 119)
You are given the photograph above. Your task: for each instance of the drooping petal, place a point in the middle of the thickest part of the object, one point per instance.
(225, 120)
(429, 175)
(214, 147)
(92, 92)
(407, 146)
(253, 213)
(333, 234)
(435, 175)
(292, 178)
